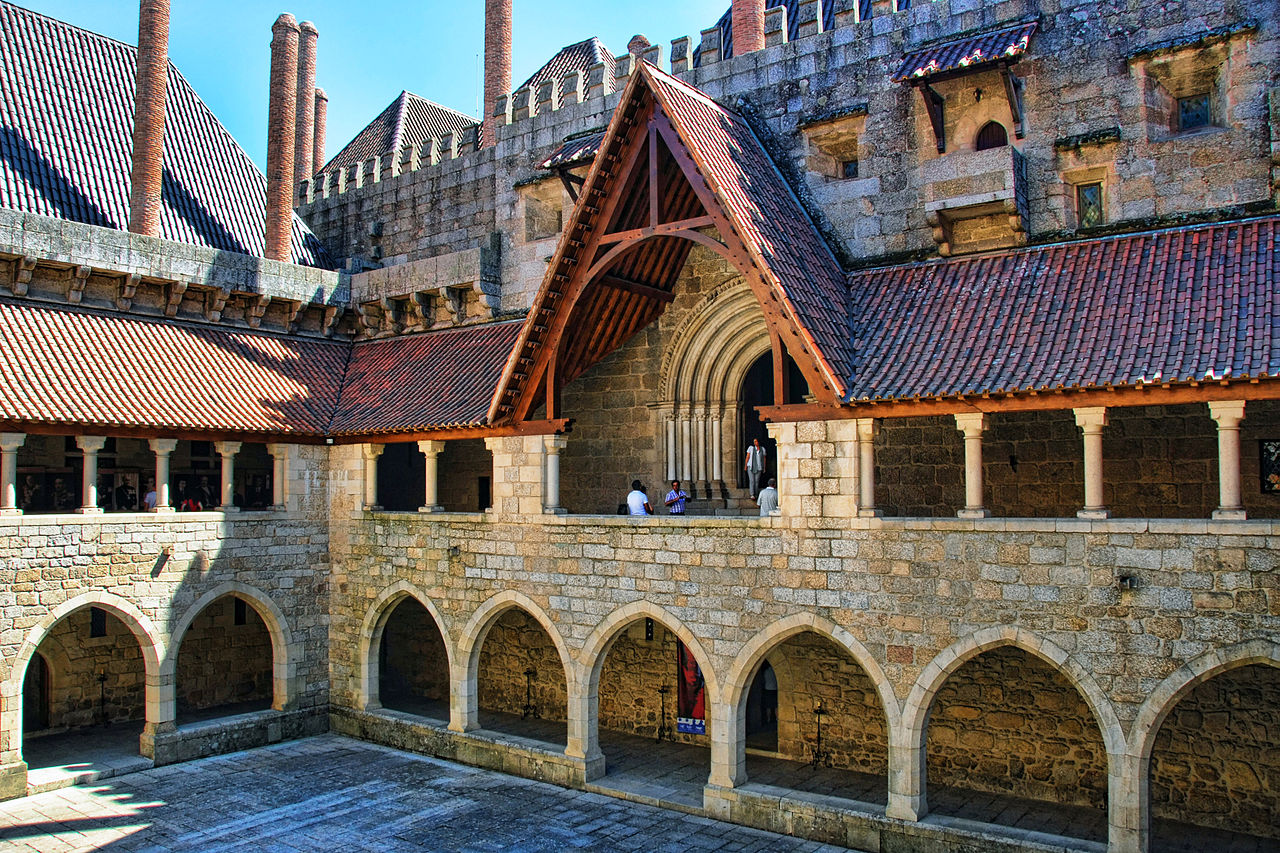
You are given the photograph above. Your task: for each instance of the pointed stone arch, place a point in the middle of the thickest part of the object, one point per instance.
(285, 654)
(371, 631)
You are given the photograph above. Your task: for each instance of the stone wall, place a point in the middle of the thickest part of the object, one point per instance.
(222, 663)
(76, 661)
(630, 678)
(1007, 722)
(517, 643)
(1215, 761)
(412, 660)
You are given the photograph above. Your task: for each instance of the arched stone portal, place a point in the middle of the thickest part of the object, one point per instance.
(520, 680)
(412, 663)
(225, 662)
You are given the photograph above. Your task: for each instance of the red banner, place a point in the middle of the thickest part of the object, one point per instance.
(691, 695)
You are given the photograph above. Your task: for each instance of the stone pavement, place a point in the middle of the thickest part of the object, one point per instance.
(331, 793)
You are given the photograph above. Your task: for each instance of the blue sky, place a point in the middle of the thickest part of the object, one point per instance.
(369, 51)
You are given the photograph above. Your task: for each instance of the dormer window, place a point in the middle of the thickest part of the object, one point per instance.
(992, 135)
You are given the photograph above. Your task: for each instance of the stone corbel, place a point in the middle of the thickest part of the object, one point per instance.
(488, 302)
(257, 309)
(176, 290)
(390, 326)
(368, 323)
(939, 227)
(421, 307)
(292, 313)
(22, 275)
(215, 301)
(933, 103)
(455, 302)
(128, 289)
(1013, 90)
(79, 281)
(332, 316)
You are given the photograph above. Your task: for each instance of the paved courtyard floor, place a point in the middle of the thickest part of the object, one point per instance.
(331, 793)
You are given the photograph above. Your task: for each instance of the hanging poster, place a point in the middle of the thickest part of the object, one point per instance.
(691, 699)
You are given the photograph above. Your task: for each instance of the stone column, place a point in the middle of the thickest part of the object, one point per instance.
(162, 447)
(670, 427)
(1091, 421)
(552, 445)
(90, 445)
(583, 739)
(700, 451)
(370, 453)
(717, 448)
(1128, 805)
(907, 774)
(1228, 414)
(868, 428)
(9, 444)
(686, 449)
(464, 702)
(280, 455)
(431, 499)
(228, 450)
(728, 736)
(973, 425)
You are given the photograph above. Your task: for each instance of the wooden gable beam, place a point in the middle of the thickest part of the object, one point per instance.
(638, 288)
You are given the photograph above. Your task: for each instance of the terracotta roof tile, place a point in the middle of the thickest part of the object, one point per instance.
(417, 382)
(408, 120)
(576, 151)
(66, 123)
(575, 57)
(1196, 303)
(1007, 43)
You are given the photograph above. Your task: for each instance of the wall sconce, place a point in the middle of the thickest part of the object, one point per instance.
(453, 551)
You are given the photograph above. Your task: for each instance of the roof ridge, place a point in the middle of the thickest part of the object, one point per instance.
(397, 130)
(60, 22)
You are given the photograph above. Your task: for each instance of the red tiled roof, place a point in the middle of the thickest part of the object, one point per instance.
(578, 150)
(418, 382)
(66, 123)
(88, 368)
(408, 120)
(1195, 303)
(1008, 43)
(792, 256)
(576, 57)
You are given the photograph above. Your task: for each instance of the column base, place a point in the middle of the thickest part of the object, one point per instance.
(90, 510)
(226, 509)
(1098, 513)
(277, 508)
(435, 508)
(163, 510)
(372, 508)
(554, 510)
(904, 807)
(10, 512)
(1223, 514)
(870, 513)
(973, 513)
(13, 780)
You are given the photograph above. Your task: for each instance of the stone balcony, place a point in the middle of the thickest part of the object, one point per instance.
(976, 200)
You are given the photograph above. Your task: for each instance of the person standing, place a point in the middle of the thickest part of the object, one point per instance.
(757, 458)
(676, 498)
(637, 500)
(768, 500)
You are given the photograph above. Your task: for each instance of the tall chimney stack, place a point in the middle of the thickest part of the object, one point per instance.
(304, 137)
(281, 121)
(748, 26)
(317, 144)
(497, 62)
(148, 117)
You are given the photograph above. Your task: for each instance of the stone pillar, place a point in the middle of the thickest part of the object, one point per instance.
(583, 739)
(280, 455)
(868, 428)
(162, 447)
(1091, 421)
(728, 738)
(90, 445)
(717, 448)
(907, 775)
(370, 454)
(670, 426)
(973, 425)
(431, 499)
(686, 449)
(1228, 414)
(700, 451)
(551, 446)
(464, 700)
(13, 770)
(1128, 805)
(519, 471)
(228, 450)
(9, 444)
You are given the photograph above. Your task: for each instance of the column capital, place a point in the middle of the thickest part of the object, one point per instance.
(494, 443)
(555, 443)
(91, 443)
(868, 428)
(163, 446)
(11, 441)
(227, 448)
(1228, 413)
(1090, 419)
(431, 448)
(372, 451)
(973, 422)
(276, 450)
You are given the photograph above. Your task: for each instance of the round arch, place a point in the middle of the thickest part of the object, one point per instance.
(473, 635)
(719, 340)
(375, 623)
(284, 654)
(1184, 679)
(915, 712)
(142, 628)
(596, 648)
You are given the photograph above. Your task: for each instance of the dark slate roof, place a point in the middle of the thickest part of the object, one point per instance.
(575, 57)
(789, 250)
(725, 24)
(408, 120)
(1196, 303)
(415, 382)
(974, 51)
(111, 370)
(66, 125)
(575, 151)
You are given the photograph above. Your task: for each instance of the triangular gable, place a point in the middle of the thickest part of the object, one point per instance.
(672, 165)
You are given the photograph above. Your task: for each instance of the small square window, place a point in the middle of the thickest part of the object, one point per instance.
(1193, 111)
(849, 169)
(97, 622)
(1089, 213)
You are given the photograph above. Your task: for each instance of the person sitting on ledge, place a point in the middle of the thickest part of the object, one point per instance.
(637, 500)
(768, 500)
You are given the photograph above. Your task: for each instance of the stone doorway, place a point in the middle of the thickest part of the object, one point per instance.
(35, 695)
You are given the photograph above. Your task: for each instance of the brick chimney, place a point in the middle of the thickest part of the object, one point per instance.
(281, 115)
(317, 143)
(304, 136)
(148, 118)
(748, 26)
(497, 62)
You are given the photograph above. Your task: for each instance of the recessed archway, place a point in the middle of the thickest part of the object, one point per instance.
(409, 661)
(225, 661)
(521, 684)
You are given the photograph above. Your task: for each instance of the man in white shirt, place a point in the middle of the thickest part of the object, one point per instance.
(637, 500)
(768, 500)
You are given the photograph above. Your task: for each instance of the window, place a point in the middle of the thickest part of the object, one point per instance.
(1089, 211)
(97, 622)
(1193, 111)
(849, 169)
(992, 135)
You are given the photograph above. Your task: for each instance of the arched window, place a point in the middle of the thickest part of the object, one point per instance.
(992, 135)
